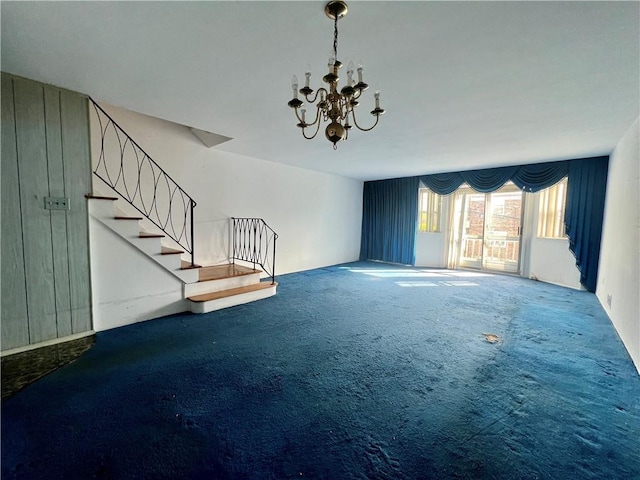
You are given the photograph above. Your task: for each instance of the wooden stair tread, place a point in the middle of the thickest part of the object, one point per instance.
(150, 235)
(170, 251)
(217, 272)
(187, 265)
(99, 197)
(205, 297)
(127, 218)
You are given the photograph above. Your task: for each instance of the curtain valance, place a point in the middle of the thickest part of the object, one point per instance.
(530, 178)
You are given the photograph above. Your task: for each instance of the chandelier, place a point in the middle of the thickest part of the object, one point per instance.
(338, 107)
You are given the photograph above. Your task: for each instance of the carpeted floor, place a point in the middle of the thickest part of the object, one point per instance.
(359, 371)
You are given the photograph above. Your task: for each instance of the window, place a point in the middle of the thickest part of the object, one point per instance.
(430, 205)
(551, 214)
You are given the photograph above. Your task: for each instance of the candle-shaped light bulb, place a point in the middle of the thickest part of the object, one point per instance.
(294, 86)
(360, 72)
(377, 97)
(307, 75)
(303, 112)
(350, 74)
(332, 60)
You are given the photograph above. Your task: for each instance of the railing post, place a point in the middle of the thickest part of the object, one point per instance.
(255, 236)
(233, 240)
(273, 265)
(193, 247)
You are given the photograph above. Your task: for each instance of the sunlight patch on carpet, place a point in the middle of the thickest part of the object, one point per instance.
(450, 283)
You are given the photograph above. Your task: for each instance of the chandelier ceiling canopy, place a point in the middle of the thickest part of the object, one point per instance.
(333, 105)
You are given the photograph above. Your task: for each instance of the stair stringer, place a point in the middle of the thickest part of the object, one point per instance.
(105, 212)
(128, 286)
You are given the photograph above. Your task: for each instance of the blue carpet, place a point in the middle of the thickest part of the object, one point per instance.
(359, 371)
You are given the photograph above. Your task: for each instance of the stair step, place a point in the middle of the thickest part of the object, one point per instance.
(170, 251)
(100, 197)
(206, 297)
(187, 265)
(217, 278)
(217, 272)
(128, 218)
(150, 235)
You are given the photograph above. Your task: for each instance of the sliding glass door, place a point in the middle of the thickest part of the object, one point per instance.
(472, 229)
(490, 228)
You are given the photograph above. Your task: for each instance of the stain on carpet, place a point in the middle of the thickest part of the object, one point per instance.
(491, 337)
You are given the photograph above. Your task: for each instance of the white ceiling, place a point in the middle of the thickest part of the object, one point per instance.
(465, 84)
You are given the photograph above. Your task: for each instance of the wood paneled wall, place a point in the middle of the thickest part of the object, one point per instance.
(46, 288)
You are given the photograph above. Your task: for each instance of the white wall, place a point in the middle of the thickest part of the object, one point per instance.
(316, 215)
(430, 250)
(619, 269)
(551, 261)
(546, 259)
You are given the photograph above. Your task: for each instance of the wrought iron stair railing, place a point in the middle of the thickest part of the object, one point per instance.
(125, 167)
(254, 241)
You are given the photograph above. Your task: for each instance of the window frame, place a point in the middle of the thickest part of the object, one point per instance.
(433, 207)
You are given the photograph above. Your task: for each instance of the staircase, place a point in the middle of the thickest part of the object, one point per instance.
(144, 188)
(206, 288)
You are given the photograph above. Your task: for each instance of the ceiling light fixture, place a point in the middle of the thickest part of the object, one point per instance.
(336, 106)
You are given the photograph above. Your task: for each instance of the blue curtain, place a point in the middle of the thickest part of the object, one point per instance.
(584, 212)
(389, 218)
(530, 178)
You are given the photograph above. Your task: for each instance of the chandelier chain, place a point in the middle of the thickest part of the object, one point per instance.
(335, 38)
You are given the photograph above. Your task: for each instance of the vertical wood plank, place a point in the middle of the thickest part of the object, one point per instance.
(58, 217)
(14, 325)
(77, 168)
(36, 221)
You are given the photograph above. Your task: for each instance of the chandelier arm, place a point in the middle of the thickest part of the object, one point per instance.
(355, 122)
(317, 120)
(314, 135)
(315, 97)
(305, 122)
